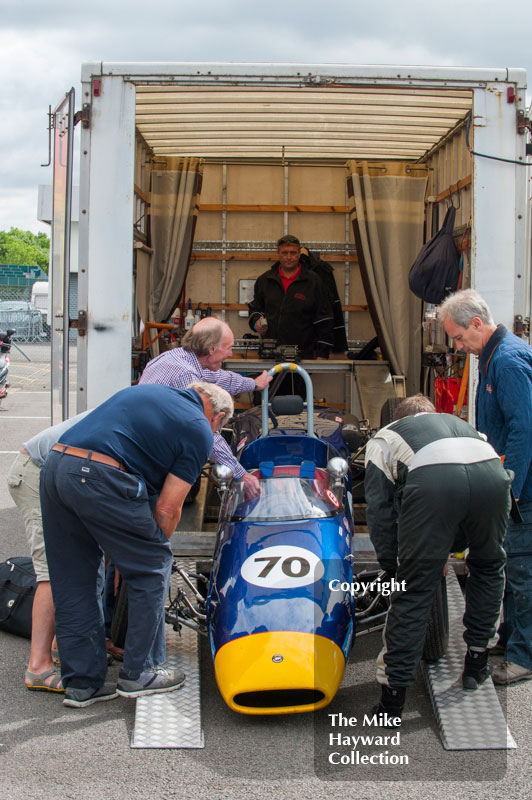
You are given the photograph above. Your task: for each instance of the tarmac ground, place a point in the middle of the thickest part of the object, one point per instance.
(48, 751)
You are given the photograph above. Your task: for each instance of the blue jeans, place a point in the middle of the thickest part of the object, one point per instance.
(109, 598)
(516, 629)
(157, 654)
(88, 509)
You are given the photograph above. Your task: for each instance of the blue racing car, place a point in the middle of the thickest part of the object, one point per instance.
(283, 604)
(280, 611)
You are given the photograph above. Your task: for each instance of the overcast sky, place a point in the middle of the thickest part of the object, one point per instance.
(44, 42)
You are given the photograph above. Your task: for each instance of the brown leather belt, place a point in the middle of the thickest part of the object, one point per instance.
(90, 455)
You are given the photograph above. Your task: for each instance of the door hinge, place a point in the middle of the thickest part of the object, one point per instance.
(521, 325)
(524, 123)
(80, 323)
(83, 116)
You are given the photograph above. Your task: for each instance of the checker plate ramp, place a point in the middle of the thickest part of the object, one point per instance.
(467, 720)
(173, 719)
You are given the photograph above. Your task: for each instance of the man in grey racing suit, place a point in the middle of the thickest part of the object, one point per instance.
(431, 478)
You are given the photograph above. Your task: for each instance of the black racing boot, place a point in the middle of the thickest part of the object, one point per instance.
(390, 707)
(476, 667)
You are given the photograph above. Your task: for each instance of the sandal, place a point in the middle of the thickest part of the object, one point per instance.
(38, 681)
(55, 657)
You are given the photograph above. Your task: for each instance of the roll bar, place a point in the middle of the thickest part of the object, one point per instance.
(309, 403)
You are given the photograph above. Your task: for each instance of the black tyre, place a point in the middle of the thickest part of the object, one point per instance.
(437, 637)
(387, 411)
(119, 621)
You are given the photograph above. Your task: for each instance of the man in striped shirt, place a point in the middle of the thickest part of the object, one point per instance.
(205, 347)
(431, 478)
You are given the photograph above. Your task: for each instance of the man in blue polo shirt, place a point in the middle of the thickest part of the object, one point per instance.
(504, 414)
(115, 483)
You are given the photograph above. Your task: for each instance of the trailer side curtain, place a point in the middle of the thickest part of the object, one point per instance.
(387, 213)
(175, 195)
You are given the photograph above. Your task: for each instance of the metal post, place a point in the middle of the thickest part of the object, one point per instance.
(224, 238)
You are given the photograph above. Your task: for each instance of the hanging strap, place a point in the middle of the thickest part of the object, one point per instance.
(448, 222)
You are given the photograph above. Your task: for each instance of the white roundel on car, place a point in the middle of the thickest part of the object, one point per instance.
(282, 567)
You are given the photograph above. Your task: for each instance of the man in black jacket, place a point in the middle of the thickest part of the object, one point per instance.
(291, 304)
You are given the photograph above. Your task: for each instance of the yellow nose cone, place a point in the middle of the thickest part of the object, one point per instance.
(283, 672)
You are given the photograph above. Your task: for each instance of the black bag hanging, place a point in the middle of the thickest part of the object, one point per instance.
(17, 589)
(436, 271)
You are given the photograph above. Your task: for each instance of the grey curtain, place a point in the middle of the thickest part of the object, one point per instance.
(175, 195)
(387, 213)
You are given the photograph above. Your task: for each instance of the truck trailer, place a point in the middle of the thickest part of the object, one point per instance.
(190, 172)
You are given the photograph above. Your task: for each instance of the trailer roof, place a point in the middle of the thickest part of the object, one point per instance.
(329, 122)
(296, 111)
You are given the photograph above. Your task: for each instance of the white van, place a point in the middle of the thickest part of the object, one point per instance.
(40, 299)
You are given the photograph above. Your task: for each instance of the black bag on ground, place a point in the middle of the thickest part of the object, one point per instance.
(435, 272)
(17, 589)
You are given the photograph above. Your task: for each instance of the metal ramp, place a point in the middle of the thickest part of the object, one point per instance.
(467, 720)
(173, 720)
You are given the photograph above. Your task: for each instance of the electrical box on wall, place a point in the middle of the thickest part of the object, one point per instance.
(245, 293)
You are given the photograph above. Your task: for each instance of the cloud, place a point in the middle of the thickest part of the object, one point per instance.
(43, 45)
(20, 211)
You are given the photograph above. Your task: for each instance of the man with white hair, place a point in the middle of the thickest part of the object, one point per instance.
(504, 414)
(116, 483)
(205, 347)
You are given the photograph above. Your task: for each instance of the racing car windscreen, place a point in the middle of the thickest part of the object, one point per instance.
(282, 498)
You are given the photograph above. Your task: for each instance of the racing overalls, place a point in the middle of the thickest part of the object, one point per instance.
(432, 480)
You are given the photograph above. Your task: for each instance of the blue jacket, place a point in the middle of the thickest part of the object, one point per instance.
(504, 405)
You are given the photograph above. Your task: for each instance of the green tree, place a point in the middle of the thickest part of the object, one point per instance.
(24, 247)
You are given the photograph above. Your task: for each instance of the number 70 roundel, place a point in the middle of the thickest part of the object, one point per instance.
(282, 567)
